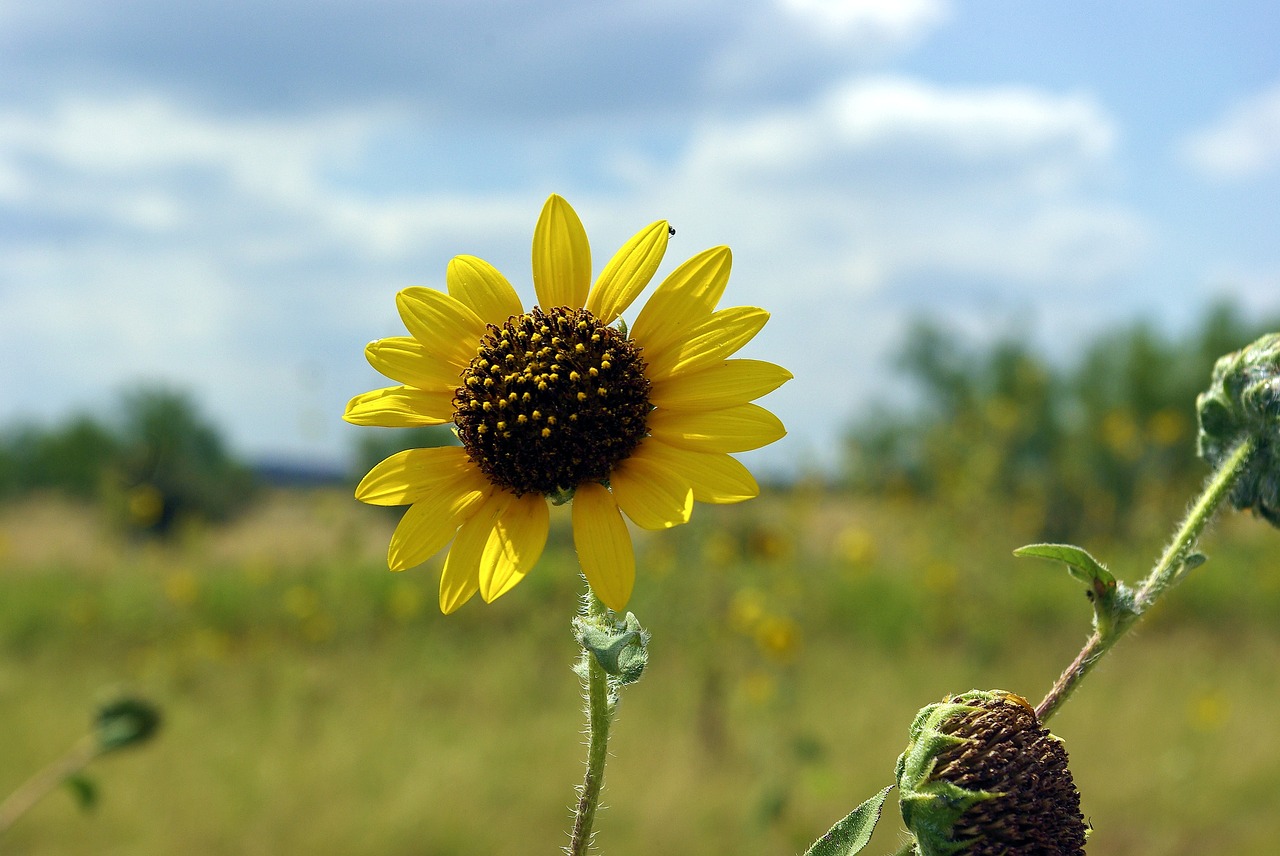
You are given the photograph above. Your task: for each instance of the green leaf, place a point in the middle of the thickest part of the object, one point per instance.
(84, 789)
(620, 647)
(125, 721)
(852, 833)
(1113, 603)
(1080, 564)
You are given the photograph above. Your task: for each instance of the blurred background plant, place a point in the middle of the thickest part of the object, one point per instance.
(156, 463)
(1091, 449)
(316, 703)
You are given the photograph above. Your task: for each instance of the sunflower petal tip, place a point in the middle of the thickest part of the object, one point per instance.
(614, 602)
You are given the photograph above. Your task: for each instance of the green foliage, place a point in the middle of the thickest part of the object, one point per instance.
(1113, 606)
(159, 462)
(284, 654)
(1078, 450)
(173, 465)
(71, 458)
(853, 832)
(125, 721)
(84, 790)
(1243, 405)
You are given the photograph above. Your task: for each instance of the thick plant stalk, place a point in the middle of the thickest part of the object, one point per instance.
(43, 782)
(599, 716)
(1165, 573)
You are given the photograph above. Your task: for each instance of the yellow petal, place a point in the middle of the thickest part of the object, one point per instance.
(456, 587)
(733, 429)
(400, 407)
(561, 256)
(483, 289)
(406, 361)
(604, 545)
(714, 476)
(514, 545)
(628, 272)
(461, 577)
(431, 523)
(446, 327)
(718, 336)
(724, 385)
(414, 474)
(686, 297)
(650, 494)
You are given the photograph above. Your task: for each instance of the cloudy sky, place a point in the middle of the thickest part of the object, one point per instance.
(224, 197)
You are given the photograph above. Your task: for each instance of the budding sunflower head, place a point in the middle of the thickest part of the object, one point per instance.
(981, 777)
(1243, 402)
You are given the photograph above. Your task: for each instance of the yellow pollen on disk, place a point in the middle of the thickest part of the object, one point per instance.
(533, 410)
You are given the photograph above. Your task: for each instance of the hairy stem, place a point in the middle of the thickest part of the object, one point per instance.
(1165, 573)
(39, 785)
(599, 718)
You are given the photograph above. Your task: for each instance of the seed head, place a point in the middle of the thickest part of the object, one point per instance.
(552, 399)
(981, 777)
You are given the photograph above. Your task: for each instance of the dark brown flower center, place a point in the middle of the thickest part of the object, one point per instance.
(553, 399)
(1007, 752)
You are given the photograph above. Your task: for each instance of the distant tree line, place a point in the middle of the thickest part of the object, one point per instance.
(1074, 450)
(157, 463)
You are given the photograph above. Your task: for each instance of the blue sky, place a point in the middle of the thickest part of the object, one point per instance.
(224, 197)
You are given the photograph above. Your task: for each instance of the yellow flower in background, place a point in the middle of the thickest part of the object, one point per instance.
(555, 403)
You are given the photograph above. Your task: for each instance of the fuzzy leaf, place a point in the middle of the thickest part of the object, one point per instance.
(1079, 563)
(84, 789)
(852, 833)
(1113, 605)
(620, 647)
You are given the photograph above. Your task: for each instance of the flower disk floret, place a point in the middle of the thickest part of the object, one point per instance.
(560, 402)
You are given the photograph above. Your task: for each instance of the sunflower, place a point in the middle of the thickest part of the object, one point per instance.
(561, 402)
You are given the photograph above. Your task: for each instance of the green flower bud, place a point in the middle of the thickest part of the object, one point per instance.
(1242, 402)
(621, 647)
(125, 721)
(981, 777)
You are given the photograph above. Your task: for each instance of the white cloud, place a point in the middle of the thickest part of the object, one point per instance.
(870, 20)
(229, 255)
(1243, 142)
(887, 197)
(886, 178)
(132, 161)
(264, 187)
(877, 117)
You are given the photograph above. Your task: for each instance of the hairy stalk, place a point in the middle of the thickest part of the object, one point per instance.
(1165, 573)
(39, 785)
(599, 718)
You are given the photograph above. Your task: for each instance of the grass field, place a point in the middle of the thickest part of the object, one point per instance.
(317, 704)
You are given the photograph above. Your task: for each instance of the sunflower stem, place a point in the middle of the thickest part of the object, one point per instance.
(45, 781)
(600, 707)
(1167, 571)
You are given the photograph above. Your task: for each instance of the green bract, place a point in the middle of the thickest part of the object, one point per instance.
(981, 777)
(1243, 405)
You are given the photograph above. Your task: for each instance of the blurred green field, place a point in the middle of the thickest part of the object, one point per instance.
(317, 704)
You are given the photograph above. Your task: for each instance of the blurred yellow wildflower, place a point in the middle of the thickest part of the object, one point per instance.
(856, 545)
(554, 403)
(182, 586)
(1209, 710)
(778, 637)
(301, 601)
(146, 504)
